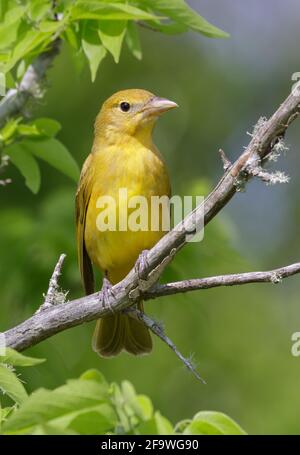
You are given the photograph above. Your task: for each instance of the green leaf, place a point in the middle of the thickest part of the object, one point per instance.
(93, 49)
(26, 129)
(145, 406)
(163, 425)
(136, 412)
(112, 34)
(147, 427)
(17, 359)
(52, 430)
(4, 412)
(181, 426)
(128, 391)
(93, 375)
(79, 61)
(87, 9)
(97, 421)
(54, 153)
(180, 12)
(50, 26)
(156, 425)
(133, 40)
(119, 403)
(213, 423)
(9, 129)
(3, 8)
(10, 25)
(71, 35)
(21, 69)
(172, 28)
(140, 405)
(11, 385)
(39, 9)
(47, 126)
(26, 164)
(31, 40)
(10, 82)
(57, 406)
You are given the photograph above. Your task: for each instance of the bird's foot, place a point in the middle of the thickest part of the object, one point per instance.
(142, 264)
(106, 294)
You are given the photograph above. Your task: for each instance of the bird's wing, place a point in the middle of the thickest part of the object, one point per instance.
(82, 201)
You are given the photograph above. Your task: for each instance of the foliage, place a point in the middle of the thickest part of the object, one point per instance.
(90, 405)
(240, 336)
(36, 139)
(93, 29)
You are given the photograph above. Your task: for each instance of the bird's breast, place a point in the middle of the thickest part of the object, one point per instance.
(125, 180)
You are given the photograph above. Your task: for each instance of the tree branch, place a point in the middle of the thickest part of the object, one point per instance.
(54, 296)
(158, 330)
(273, 276)
(60, 317)
(30, 86)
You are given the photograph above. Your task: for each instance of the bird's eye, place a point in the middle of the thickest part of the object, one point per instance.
(124, 106)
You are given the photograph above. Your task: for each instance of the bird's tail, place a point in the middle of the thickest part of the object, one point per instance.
(118, 331)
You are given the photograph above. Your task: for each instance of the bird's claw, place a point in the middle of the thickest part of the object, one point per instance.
(106, 294)
(142, 264)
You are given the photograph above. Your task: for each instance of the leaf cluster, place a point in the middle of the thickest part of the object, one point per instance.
(93, 29)
(90, 405)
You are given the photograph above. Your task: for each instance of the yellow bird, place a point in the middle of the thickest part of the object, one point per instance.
(123, 156)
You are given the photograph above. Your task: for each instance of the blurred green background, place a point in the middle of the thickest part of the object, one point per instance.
(240, 337)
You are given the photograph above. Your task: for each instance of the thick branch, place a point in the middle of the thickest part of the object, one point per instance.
(16, 99)
(125, 293)
(46, 323)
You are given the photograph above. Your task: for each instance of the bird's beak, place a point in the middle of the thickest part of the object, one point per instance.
(157, 106)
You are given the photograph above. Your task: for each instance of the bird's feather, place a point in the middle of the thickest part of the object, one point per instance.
(82, 201)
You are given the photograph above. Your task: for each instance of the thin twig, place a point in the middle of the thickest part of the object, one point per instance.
(54, 296)
(157, 329)
(225, 160)
(270, 178)
(196, 284)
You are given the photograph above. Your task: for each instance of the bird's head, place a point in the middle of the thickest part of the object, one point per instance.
(130, 113)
